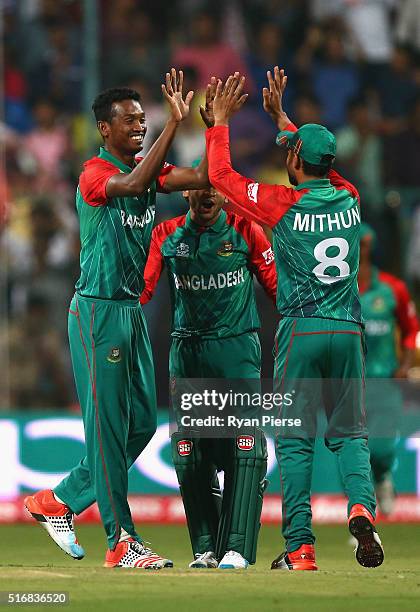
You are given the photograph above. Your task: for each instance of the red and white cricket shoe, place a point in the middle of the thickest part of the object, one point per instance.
(369, 551)
(131, 553)
(57, 519)
(301, 559)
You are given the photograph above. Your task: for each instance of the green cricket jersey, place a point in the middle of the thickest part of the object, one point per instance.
(386, 308)
(210, 272)
(115, 233)
(315, 234)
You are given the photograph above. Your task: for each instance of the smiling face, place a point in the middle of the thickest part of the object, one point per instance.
(205, 205)
(127, 128)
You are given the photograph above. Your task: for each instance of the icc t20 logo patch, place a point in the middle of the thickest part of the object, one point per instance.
(182, 250)
(184, 448)
(245, 443)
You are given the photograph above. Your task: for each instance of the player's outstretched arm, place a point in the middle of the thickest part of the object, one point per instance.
(179, 179)
(140, 179)
(273, 105)
(257, 202)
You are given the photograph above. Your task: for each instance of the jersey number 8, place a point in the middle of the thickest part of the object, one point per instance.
(338, 261)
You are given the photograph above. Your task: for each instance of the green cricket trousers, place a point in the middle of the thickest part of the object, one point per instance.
(114, 374)
(321, 362)
(232, 521)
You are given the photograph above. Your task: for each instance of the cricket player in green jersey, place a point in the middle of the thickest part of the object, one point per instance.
(391, 328)
(109, 345)
(211, 257)
(320, 336)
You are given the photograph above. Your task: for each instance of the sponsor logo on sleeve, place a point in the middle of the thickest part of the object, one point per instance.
(245, 443)
(253, 192)
(268, 256)
(184, 448)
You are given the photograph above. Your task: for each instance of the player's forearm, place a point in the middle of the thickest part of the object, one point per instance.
(198, 178)
(202, 173)
(180, 179)
(221, 174)
(150, 166)
(143, 175)
(281, 120)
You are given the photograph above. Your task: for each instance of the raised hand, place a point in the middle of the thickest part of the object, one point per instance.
(273, 97)
(228, 99)
(172, 90)
(206, 111)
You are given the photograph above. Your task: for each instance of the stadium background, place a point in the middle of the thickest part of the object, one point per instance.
(353, 65)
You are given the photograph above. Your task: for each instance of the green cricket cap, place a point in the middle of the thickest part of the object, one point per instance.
(312, 142)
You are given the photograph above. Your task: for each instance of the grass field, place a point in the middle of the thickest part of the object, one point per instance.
(31, 562)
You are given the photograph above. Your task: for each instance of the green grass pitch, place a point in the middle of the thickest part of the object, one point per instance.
(30, 561)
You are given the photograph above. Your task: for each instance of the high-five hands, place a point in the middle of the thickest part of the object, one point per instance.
(228, 98)
(273, 97)
(172, 90)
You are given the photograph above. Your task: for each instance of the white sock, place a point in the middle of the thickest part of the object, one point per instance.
(124, 536)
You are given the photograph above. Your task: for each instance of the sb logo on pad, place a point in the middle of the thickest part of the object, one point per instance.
(245, 443)
(184, 448)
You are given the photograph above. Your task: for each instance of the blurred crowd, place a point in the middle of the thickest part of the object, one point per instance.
(353, 65)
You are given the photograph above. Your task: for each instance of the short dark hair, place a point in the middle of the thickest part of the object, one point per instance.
(318, 170)
(102, 105)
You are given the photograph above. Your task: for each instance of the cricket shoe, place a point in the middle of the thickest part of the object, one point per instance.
(131, 553)
(233, 560)
(385, 495)
(205, 560)
(301, 559)
(57, 519)
(369, 551)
